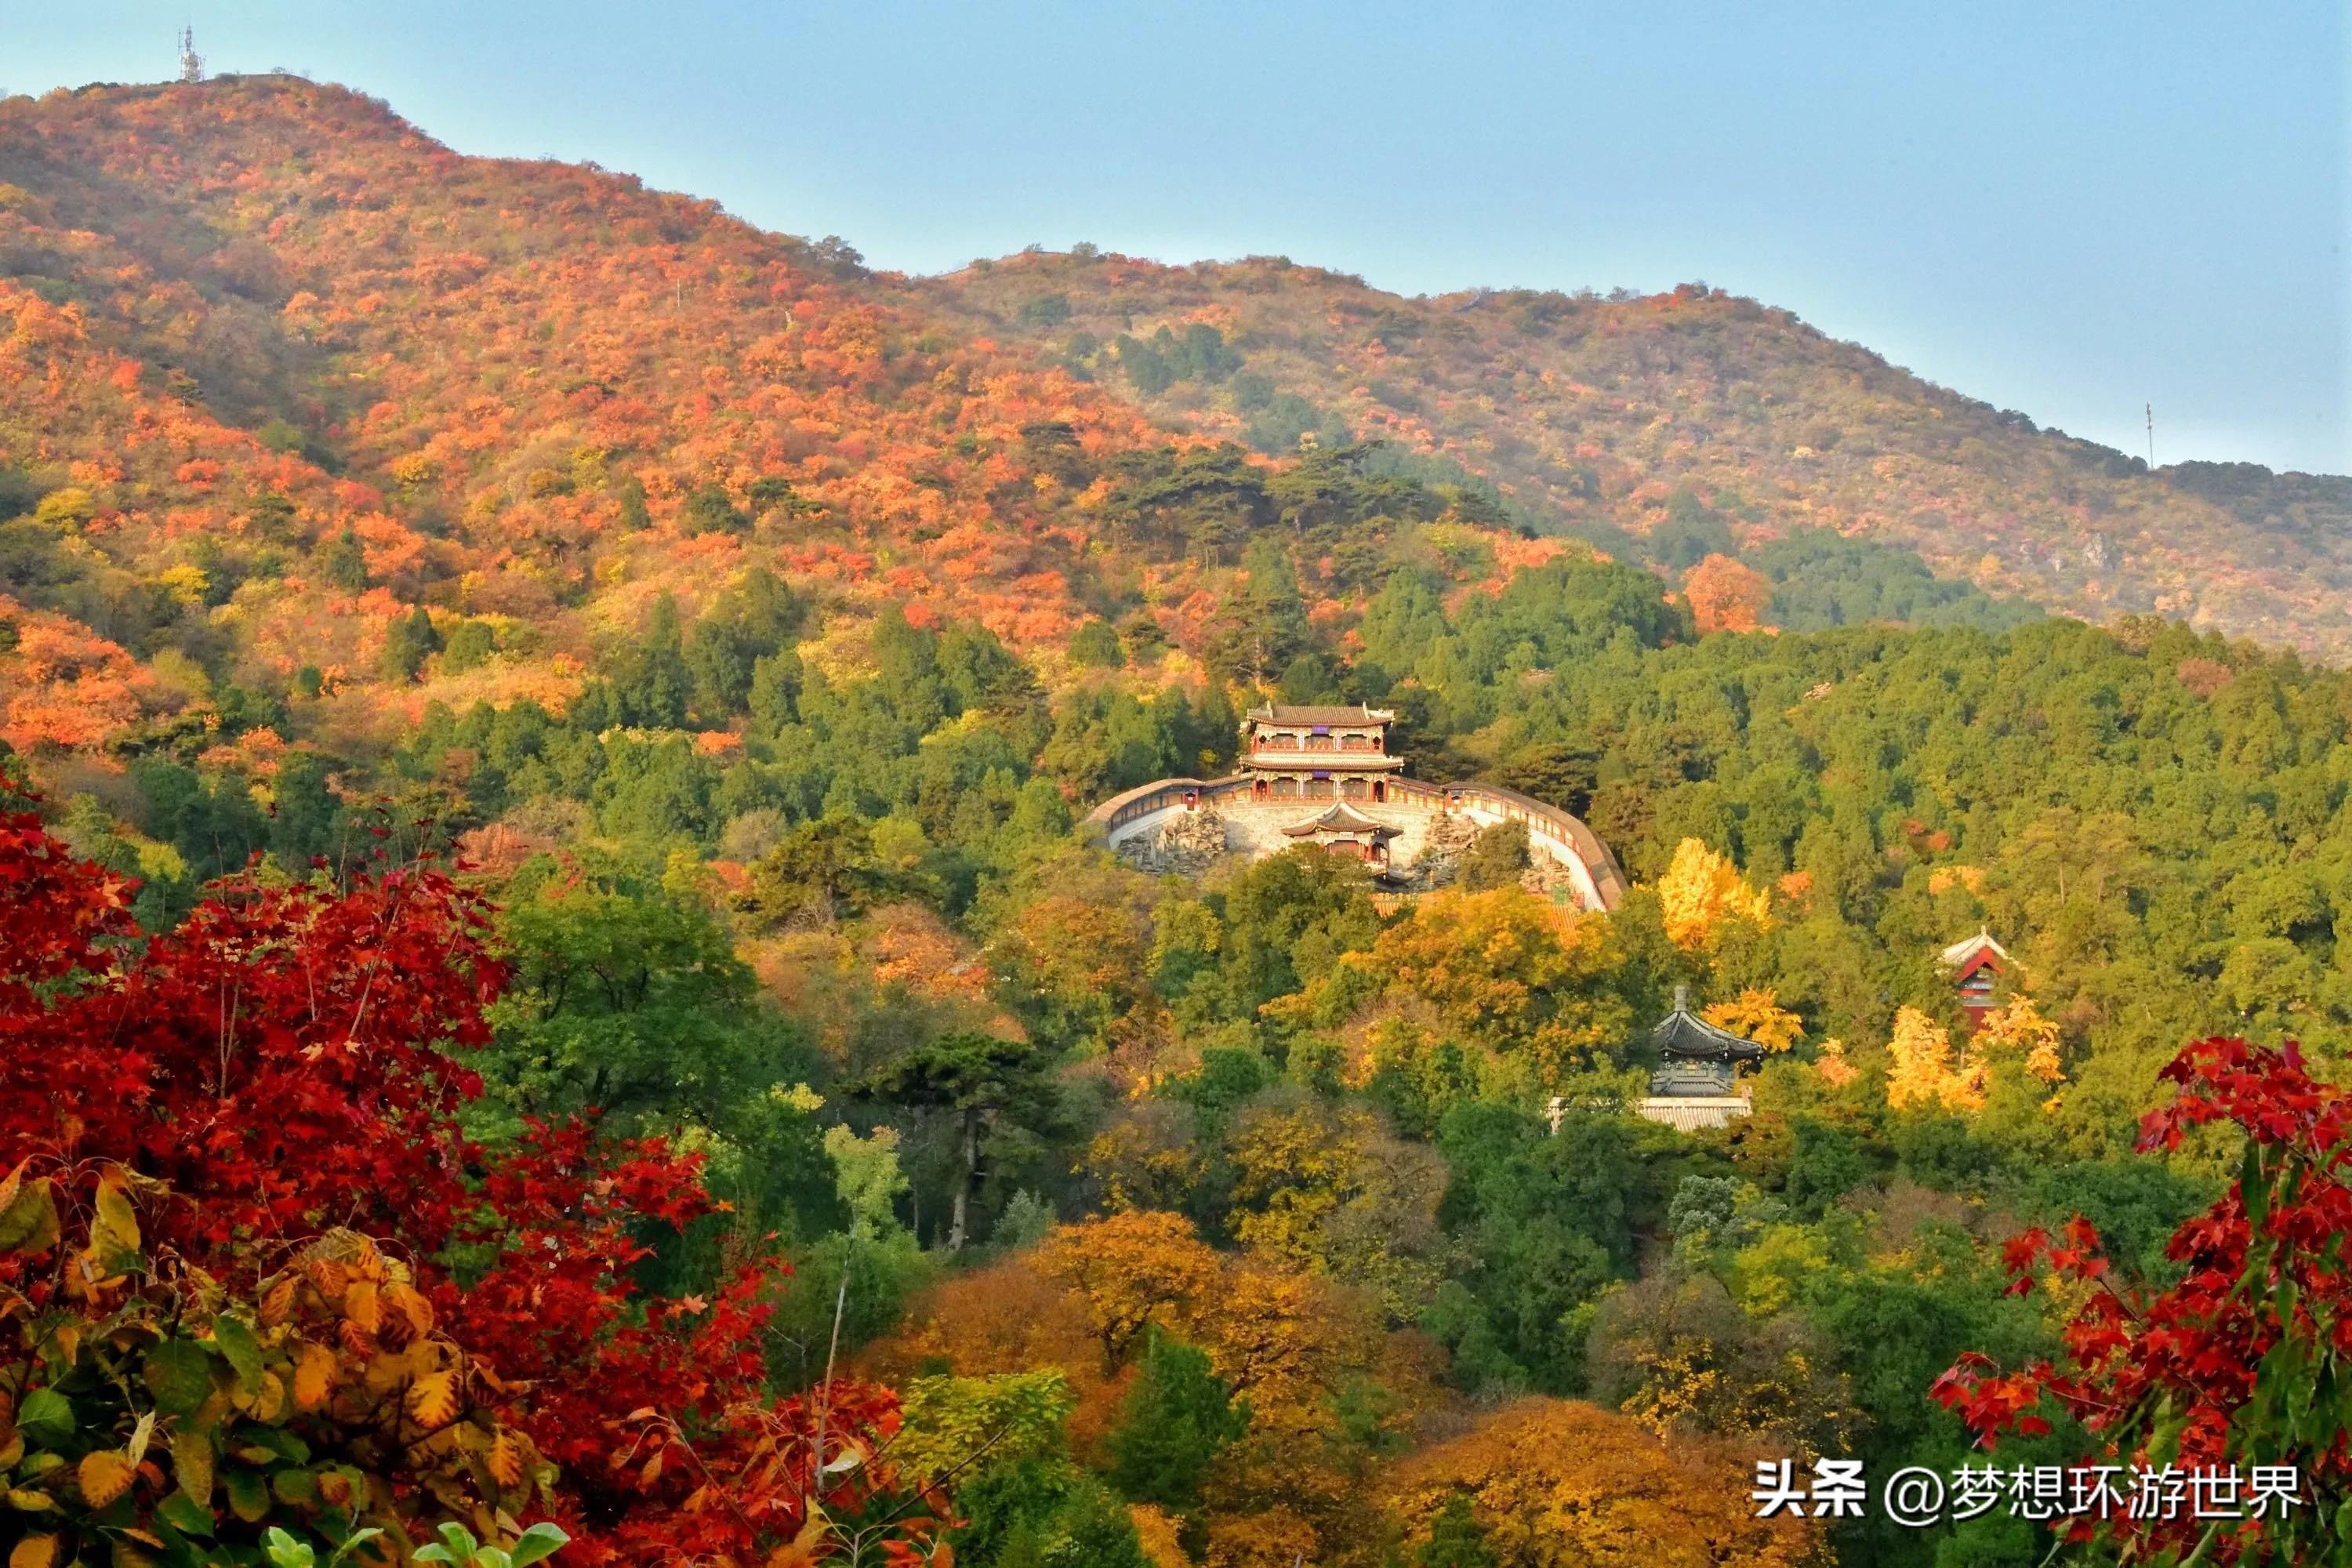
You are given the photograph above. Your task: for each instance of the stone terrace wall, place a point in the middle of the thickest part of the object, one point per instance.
(1136, 823)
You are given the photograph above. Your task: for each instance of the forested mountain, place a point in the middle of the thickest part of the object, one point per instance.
(1664, 428)
(276, 352)
(549, 971)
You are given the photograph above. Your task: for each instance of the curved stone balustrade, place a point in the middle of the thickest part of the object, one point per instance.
(1411, 804)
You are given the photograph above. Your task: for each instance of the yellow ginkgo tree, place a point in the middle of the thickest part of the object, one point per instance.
(1924, 1071)
(1756, 1014)
(1701, 891)
(2017, 1028)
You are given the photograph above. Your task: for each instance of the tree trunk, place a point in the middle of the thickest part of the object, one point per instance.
(959, 1227)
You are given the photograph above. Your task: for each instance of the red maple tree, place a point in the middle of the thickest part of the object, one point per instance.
(282, 1067)
(2243, 1362)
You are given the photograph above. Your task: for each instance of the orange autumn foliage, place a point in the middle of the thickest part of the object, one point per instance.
(909, 945)
(1287, 1342)
(64, 686)
(1833, 1066)
(1608, 407)
(1155, 1531)
(563, 372)
(1556, 1483)
(1130, 1270)
(1726, 595)
(1008, 1316)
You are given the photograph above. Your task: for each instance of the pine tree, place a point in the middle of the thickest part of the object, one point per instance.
(408, 642)
(1455, 1541)
(1094, 646)
(991, 1086)
(1178, 1417)
(711, 509)
(653, 681)
(1216, 729)
(470, 647)
(1496, 857)
(343, 564)
(634, 518)
(1257, 638)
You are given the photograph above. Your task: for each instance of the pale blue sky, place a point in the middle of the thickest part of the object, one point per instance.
(2071, 209)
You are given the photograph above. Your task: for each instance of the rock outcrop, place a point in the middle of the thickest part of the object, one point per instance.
(1187, 847)
(1449, 839)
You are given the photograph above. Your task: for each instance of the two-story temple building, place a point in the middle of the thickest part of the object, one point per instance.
(1336, 754)
(1319, 754)
(1328, 776)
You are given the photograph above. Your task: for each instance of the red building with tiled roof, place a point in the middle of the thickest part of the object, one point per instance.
(1976, 965)
(1312, 752)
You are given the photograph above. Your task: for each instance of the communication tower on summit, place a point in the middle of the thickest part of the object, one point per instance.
(192, 64)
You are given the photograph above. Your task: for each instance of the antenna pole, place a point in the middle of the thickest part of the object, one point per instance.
(2151, 437)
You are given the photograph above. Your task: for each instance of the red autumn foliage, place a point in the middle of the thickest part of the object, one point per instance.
(283, 1062)
(2238, 1364)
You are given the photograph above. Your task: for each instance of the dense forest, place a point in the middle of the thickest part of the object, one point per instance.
(1607, 417)
(553, 976)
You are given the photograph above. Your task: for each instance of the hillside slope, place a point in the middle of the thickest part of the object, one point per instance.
(292, 395)
(272, 361)
(1685, 421)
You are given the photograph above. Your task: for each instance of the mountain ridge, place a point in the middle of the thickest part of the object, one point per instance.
(1614, 404)
(278, 371)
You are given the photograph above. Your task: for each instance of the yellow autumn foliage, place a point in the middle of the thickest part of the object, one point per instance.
(1155, 1531)
(1701, 891)
(1924, 1072)
(1921, 1071)
(1756, 1014)
(1943, 878)
(2016, 1027)
(1525, 986)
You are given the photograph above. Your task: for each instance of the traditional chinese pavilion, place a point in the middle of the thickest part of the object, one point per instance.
(1975, 966)
(1327, 775)
(1338, 754)
(1344, 828)
(1320, 753)
(1697, 1081)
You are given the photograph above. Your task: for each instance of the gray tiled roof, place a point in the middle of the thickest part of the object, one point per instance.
(1351, 713)
(1342, 818)
(1690, 1114)
(1684, 1034)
